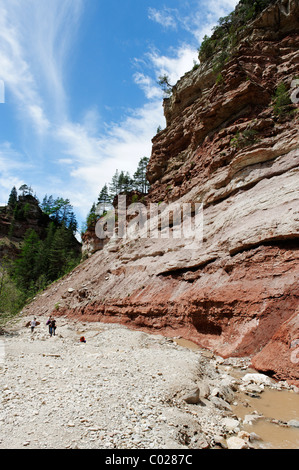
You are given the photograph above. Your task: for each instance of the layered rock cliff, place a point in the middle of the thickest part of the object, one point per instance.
(225, 147)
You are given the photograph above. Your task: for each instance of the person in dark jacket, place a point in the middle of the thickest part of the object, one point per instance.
(53, 326)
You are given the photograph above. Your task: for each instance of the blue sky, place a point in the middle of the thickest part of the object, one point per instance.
(80, 80)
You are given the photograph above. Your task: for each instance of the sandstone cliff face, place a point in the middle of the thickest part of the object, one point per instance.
(235, 291)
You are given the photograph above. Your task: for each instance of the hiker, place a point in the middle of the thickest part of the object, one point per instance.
(53, 327)
(33, 324)
(82, 339)
(49, 324)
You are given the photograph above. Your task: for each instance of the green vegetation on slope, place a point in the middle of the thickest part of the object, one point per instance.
(48, 249)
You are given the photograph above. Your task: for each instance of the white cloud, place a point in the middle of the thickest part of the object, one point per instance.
(175, 65)
(94, 159)
(202, 20)
(198, 17)
(41, 123)
(148, 85)
(34, 41)
(164, 17)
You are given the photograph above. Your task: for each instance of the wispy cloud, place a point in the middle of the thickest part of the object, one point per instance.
(197, 16)
(34, 41)
(164, 17)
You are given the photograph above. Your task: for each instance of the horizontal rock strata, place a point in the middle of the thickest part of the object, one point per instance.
(235, 289)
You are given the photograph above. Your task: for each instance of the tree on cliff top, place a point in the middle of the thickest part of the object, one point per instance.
(224, 34)
(163, 81)
(13, 198)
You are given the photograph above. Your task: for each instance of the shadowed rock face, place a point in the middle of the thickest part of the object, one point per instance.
(235, 291)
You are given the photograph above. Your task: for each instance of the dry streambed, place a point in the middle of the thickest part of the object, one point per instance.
(127, 389)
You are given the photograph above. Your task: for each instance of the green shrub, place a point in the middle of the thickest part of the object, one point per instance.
(241, 140)
(281, 100)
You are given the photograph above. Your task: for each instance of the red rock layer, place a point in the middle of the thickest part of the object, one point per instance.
(236, 290)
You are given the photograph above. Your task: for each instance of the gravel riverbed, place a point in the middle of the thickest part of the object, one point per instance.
(122, 389)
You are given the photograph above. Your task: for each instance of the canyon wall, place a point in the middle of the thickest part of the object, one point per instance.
(235, 288)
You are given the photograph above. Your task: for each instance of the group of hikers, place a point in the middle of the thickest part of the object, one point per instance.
(51, 323)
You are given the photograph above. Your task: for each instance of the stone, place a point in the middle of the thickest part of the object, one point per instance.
(220, 403)
(254, 437)
(221, 441)
(192, 397)
(244, 435)
(258, 379)
(204, 390)
(235, 442)
(250, 419)
(231, 424)
(294, 423)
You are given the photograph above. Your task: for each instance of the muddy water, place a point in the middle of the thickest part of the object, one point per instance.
(272, 405)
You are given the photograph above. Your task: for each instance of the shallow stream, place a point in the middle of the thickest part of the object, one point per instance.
(274, 405)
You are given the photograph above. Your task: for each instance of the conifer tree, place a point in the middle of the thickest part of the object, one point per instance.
(26, 266)
(92, 217)
(140, 180)
(58, 253)
(104, 199)
(13, 199)
(114, 185)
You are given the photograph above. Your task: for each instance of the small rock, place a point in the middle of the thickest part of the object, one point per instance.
(204, 390)
(244, 435)
(258, 379)
(231, 424)
(254, 437)
(219, 360)
(249, 419)
(221, 441)
(221, 404)
(192, 397)
(252, 388)
(294, 423)
(236, 443)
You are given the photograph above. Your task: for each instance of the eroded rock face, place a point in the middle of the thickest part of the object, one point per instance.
(236, 290)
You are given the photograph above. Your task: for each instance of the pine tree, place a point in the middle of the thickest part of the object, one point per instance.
(104, 200)
(58, 254)
(92, 217)
(114, 185)
(26, 190)
(13, 199)
(140, 182)
(26, 266)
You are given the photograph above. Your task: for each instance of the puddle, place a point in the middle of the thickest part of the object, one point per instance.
(186, 343)
(282, 405)
(273, 404)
